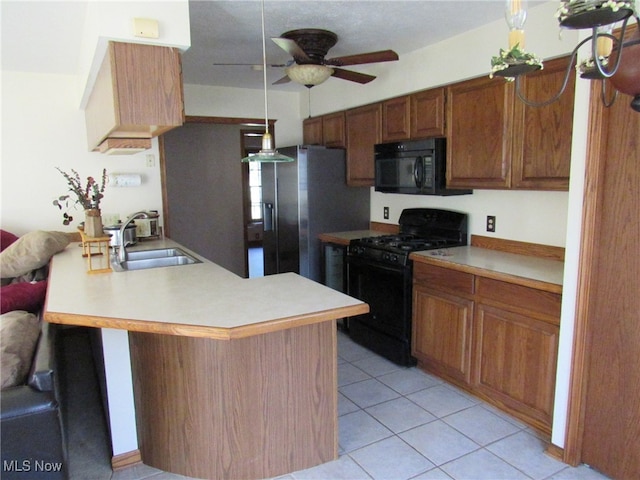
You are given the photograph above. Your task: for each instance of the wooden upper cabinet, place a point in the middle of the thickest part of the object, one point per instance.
(364, 127)
(333, 130)
(312, 131)
(327, 130)
(497, 141)
(542, 135)
(428, 113)
(479, 117)
(137, 94)
(396, 118)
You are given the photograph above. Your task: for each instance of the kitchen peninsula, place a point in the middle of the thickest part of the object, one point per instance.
(232, 377)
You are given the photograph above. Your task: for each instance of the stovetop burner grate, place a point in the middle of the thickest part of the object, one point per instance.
(420, 229)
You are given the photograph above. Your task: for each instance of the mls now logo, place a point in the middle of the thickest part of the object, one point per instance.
(30, 466)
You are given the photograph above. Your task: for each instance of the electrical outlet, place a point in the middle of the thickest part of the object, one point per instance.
(385, 211)
(151, 160)
(491, 223)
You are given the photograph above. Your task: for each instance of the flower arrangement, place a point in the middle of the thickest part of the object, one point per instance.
(572, 7)
(87, 195)
(516, 59)
(588, 67)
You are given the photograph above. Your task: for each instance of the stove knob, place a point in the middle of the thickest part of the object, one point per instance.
(385, 256)
(393, 258)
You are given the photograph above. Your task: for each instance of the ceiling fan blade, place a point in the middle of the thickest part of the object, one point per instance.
(358, 59)
(284, 79)
(292, 48)
(352, 76)
(256, 66)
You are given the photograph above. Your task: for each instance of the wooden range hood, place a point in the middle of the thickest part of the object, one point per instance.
(137, 95)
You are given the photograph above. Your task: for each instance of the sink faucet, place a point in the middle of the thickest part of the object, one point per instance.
(122, 251)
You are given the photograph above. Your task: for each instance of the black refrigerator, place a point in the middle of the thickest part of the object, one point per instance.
(302, 199)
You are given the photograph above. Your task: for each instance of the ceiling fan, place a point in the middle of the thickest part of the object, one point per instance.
(309, 67)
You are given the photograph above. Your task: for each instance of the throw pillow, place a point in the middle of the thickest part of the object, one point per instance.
(6, 239)
(19, 332)
(23, 296)
(30, 252)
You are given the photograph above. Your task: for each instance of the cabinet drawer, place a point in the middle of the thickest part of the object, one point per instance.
(521, 297)
(440, 278)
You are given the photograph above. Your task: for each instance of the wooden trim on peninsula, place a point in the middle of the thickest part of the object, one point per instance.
(125, 460)
(258, 407)
(521, 248)
(204, 331)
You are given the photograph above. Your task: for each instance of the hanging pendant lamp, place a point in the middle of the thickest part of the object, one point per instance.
(267, 153)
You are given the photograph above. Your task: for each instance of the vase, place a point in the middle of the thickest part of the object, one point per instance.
(627, 78)
(93, 223)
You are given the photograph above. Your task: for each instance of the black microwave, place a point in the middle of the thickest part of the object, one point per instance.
(415, 167)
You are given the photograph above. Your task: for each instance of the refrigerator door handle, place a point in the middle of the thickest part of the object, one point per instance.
(267, 217)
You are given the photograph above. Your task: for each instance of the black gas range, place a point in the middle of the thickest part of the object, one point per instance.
(379, 272)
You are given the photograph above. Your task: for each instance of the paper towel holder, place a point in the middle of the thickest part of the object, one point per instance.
(125, 180)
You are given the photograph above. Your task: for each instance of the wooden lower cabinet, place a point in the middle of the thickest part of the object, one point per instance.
(496, 339)
(515, 362)
(442, 336)
(243, 408)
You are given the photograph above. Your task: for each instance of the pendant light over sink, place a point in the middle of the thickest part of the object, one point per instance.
(267, 153)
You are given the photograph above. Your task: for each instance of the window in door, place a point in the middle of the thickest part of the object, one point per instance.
(255, 191)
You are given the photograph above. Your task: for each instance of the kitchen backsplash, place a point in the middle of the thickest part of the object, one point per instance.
(527, 216)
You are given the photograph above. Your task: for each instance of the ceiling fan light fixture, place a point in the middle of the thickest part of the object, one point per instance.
(309, 74)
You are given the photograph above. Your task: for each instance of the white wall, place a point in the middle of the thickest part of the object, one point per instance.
(518, 214)
(248, 103)
(112, 20)
(43, 125)
(43, 128)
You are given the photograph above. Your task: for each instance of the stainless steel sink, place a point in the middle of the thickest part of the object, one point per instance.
(162, 257)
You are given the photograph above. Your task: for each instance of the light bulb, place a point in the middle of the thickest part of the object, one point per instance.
(604, 45)
(515, 13)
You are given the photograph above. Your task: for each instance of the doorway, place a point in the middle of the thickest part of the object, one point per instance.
(206, 192)
(251, 141)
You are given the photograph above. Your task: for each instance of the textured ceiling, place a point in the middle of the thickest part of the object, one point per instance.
(230, 32)
(44, 36)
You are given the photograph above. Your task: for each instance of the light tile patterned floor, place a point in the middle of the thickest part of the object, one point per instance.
(399, 423)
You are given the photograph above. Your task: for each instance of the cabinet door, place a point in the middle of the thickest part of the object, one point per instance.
(441, 334)
(515, 362)
(333, 130)
(364, 126)
(396, 116)
(427, 113)
(312, 131)
(479, 119)
(542, 135)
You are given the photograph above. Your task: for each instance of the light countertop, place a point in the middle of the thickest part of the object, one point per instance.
(201, 299)
(521, 269)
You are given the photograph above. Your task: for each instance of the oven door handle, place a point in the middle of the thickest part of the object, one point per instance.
(418, 171)
(369, 264)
